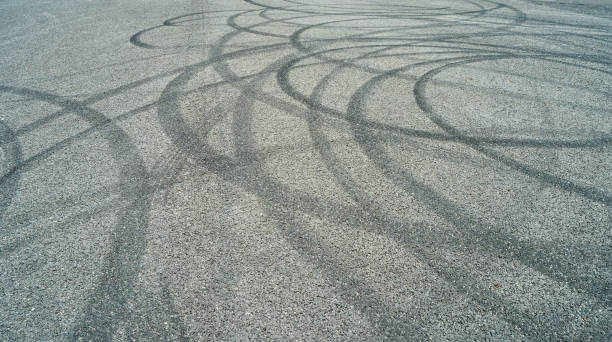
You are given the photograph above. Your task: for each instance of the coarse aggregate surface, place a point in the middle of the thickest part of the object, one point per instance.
(350, 170)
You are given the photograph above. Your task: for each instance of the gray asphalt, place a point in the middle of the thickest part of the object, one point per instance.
(305, 170)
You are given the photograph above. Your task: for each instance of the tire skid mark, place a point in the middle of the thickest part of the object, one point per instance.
(453, 135)
(128, 244)
(290, 225)
(108, 305)
(11, 153)
(473, 234)
(532, 253)
(591, 193)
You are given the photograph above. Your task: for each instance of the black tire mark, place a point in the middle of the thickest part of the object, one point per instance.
(108, 301)
(287, 87)
(272, 194)
(498, 302)
(237, 131)
(591, 193)
(12, 155)
(362, 12)
(474, 235)
(357, 121)
(290, 225)
(137, 41)
(596, 288)
(452, 273)
(249, 156)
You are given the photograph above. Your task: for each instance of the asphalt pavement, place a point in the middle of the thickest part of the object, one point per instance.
(275, 170)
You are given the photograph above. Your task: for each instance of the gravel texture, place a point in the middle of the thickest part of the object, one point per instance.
(305, 170)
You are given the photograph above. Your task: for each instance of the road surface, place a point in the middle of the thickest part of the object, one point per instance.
(305, 170)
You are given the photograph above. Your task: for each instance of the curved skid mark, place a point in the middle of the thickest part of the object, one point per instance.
(108, 301)
(137, 41)
(286, 86)
(108, 305)
(11, 155)
(588, 192)
(591, 193)
(282, 202)
(473, 234)
(247, 153)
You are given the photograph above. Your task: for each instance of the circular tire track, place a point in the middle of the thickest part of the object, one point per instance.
(318, 42)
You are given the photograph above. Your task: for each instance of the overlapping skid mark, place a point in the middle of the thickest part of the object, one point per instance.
(400, 12)
(230, 164)
(279, 200)
(446, 209)
(127, 239)
(452, 133)
(595, 286)
(578, 7)
(278, 206)
(369, 9)
(108, 303)
(100, 322)
(102, 316)
(381, 75)
(407, 236)
(98, 122)
(591, 193)
(444, 29)
(225, 161)
(172, 23)
(474, 234)
(596, 143)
